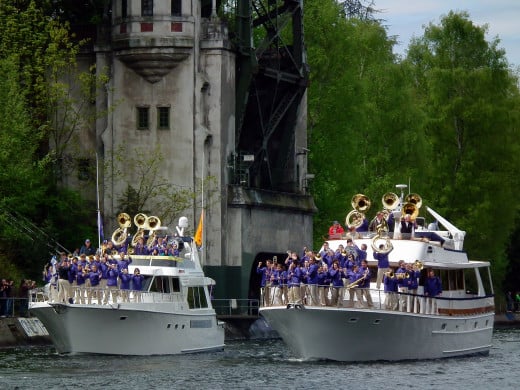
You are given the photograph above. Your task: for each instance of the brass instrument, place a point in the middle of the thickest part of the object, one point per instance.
(418, 265)
(388, 246)
(120, 234)
(356, 282)
(152, 224)
(411, 209)
(360, 203)
(140, 222)
(354, 219)
(390, 201)
(406, 275)
(415, 199)
(124, 220)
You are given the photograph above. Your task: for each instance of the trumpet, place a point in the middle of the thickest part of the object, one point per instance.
(406, 275)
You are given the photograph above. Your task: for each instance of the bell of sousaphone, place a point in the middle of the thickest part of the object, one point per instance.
(415, 199)
(390, 201)
(360, 203)
(411, 209)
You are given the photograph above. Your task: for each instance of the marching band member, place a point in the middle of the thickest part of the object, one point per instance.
(312, 280)
(265, 281)
(364, 285)
(383, 265)
(323, 284)
(294, 274)
(336, 275)
(432, 289)
(137, 284)
(390, 283)
(402, 284)
(125, 278)
(353, 276)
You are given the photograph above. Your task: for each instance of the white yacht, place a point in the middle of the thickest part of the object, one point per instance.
(457, 322)
(171, 314)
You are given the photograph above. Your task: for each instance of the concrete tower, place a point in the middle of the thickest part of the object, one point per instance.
(167, 115)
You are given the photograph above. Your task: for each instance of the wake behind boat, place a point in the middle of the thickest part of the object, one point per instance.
(438, 305)
(171, 312)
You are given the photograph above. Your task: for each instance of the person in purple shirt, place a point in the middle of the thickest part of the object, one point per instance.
(112, 276)
(123, 262)
(323, 284)
(294, 279)
(79, 293)
(126, 279)
(137, 284)
(383, 265)
(312, 281)
(93, 292)
(390, 283)
(140, 248)
(336, 275)
(353, 276)
(413, 284)
(364, 285)
(432, 289)
(265, 281)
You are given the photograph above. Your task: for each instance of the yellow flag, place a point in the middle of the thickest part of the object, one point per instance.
(198, 233)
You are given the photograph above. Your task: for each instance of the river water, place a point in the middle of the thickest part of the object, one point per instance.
(255, 364)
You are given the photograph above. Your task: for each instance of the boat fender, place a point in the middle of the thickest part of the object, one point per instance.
(290, 306)
(299, 307)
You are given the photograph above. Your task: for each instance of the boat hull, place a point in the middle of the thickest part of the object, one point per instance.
(356, 335)
(129, 329)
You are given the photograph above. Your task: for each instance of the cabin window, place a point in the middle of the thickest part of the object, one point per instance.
(452, 279)
(176, 286)
(176, 7)
(197, 297)
(146, 7)
(160, 284)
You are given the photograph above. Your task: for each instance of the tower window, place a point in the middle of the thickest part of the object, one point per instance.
(146, 7)
(176, 7)
(124, 8)
(163, 118)
(143, 118)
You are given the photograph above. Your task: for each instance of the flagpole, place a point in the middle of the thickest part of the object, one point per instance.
(97, 199)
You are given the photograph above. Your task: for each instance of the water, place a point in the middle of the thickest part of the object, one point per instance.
(257, 364)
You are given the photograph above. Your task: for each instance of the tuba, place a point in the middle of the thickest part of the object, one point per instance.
(152, 224)
(411, 209)
(378, 240)
(139, 221)
(415, 199)
(120, 234)
(360, 203)
(354, 219)
(390, 201)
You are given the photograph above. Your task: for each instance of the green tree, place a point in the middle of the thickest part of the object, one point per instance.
(362, 118)
(470, 99)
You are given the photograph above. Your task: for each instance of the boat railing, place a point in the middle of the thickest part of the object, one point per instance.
(102, 296)
(236, 307)
(364, 298)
